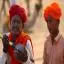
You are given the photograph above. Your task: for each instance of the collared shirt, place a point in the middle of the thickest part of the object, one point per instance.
(54, 54)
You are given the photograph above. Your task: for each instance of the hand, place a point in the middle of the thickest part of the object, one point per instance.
(5, 42)
(21, 53)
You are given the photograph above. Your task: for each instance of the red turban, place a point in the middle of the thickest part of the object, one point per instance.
(53, 10)
(17, 10)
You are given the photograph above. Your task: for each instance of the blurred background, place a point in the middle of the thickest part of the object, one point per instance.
(36, 26)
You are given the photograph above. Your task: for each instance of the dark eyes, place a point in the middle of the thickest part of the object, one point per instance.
(49, 20)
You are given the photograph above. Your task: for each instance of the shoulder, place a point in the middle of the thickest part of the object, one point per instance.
(47, 39)
(26, 36)
(61, 40)
(7, 34)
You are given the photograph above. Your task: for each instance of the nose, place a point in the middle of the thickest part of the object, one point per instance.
(15, 24)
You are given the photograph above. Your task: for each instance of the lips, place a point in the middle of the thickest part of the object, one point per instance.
(15, 30)
(50, 30)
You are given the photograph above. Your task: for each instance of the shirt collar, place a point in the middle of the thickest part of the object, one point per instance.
(57, 37)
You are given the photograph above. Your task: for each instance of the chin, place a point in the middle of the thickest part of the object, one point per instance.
(51, 33)
(15, 33)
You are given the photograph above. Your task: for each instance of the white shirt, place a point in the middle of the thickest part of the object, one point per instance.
(3, 58)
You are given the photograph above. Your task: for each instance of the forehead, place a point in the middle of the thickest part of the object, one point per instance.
(16, 18)
(51, 19)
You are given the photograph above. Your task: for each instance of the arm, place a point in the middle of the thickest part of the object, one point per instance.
(29, 49)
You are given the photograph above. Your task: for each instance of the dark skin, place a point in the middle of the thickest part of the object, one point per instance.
(16, 26)
(53, 27)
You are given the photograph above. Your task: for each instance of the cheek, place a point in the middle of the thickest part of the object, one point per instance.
(20, 28)
(49, 25)
(55, 26)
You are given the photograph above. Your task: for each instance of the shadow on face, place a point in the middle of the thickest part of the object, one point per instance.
(53, 25)
(16, 24)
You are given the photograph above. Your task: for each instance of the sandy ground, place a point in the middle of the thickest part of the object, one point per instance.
(39, 33)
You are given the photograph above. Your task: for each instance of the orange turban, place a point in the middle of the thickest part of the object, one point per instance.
(53, 10)
(17, 10)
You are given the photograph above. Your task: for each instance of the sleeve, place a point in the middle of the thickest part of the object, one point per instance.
(3, 58)
(29, 49)
(45, 54)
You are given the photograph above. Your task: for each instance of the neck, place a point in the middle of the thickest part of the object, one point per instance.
(14, 37)
(54, 35)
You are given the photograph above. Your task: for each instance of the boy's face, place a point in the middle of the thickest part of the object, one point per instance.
(53, 25)
(16, 25)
